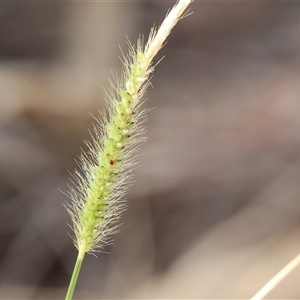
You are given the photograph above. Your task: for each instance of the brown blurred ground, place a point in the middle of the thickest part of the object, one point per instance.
(214, 212)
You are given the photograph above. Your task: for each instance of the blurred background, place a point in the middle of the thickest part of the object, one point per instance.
(215, 209)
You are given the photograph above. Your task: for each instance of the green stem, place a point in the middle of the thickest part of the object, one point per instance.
(75, 274)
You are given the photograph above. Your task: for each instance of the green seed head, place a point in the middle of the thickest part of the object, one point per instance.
(104, 175)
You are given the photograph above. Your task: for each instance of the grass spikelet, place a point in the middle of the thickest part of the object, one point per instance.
(105, 171)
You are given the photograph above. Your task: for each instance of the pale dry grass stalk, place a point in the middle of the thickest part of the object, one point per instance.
(273, 282)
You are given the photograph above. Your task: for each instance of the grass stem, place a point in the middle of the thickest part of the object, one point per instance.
(272, 283)
(75, 275)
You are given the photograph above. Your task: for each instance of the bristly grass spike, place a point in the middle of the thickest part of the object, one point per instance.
(97, 199)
